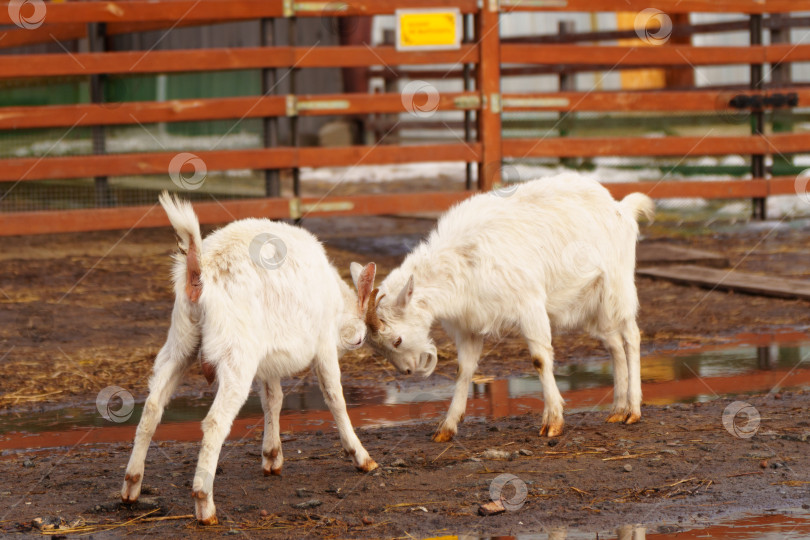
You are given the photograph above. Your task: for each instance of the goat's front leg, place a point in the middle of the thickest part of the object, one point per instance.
(171, 363)
(234, 387)
(328, 371)
(536, 327)
(469, 352)
(272, 398)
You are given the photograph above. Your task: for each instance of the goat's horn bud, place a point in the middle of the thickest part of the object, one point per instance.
(372, 320)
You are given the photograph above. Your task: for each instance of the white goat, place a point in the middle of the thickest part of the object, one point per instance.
(257, 299)
(558, 252)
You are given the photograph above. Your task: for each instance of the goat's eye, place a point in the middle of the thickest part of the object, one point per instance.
(398, 342)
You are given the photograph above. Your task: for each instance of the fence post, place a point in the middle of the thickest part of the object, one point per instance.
(780, 78)
(96, 43)
(567, 83)
(272, 185)
(680, 77)
(295, 139)
(780, 33)
(489, 85)
(468, 168)
(757, 116)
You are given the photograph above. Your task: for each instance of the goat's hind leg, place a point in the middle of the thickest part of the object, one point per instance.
(172, 361)
(235, 377)
(632, 344)
(614, 343)
(272, 398)
(536, 328)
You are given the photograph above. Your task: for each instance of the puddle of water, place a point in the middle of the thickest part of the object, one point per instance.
(698, 376)
(788, 526)
(390, 246)
(783, 526)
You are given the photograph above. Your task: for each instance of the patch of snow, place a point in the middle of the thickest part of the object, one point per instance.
(680, 203)
(129, 141)
(385, 173)
(733, 209)
(787, 205)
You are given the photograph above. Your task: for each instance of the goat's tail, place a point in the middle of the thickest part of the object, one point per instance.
(638, 205)
(187, 226)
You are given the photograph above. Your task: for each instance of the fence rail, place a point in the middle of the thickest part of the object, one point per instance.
(482, 60)
(187, 110)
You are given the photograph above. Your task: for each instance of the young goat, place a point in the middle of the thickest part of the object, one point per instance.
(557, 252)
(256, 299)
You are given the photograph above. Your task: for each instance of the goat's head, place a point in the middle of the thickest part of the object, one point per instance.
(353, 328)
(399, 329)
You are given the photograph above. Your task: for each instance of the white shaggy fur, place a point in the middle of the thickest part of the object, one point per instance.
(250, 319)
(558, 252)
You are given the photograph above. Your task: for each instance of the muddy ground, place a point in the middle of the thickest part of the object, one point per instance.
(94, 308)
(676, 468)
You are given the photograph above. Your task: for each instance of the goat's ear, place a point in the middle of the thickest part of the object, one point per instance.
(356, 269)
(363, 277)
(406, 293)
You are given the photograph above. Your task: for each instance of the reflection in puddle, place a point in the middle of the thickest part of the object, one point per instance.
(698, 376)
(783, 526)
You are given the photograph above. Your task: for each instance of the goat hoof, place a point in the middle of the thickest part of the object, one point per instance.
(368, 466)
(204, 508)
(551, 430)
(616, 417)
(209, 521)
(443, 435)
(632, 418)
(131, 489)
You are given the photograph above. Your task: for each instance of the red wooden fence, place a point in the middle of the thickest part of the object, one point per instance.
(485, 53)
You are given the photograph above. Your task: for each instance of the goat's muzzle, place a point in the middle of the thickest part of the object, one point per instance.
(372, 320)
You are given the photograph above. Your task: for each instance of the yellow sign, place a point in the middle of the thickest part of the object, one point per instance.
(428, 29)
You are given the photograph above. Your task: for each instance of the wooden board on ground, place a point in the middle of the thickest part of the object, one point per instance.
(731, 280)
(660, 254)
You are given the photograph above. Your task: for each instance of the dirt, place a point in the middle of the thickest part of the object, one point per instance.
(94, 308)
(677, 466)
